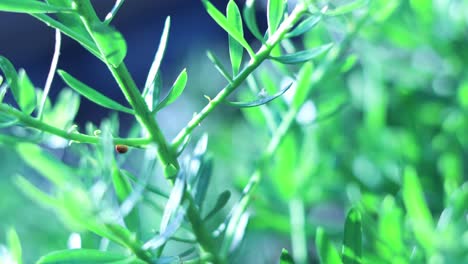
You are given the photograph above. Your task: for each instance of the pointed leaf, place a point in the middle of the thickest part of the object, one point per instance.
(27, 93)
(262, 100)
(251, 20)
(30, 6)
(14, 245)
(92, 94)
(224, 23)
(110, 42)
(175, 198)
(122, 185)
(219, 66)
(154, 69)
(33, 193)
(176, 90)
(275, 14)
(235, 49)
(417, 210)
(222, 200)
(82, 256)
(304, 26)
(341, 10)
(11, 76)
(303, 56)
(352, 240)
(325, 249)
(285, 257)
(151, 94)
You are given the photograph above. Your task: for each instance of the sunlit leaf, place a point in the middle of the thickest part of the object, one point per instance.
(285, 257)
(222, 200)
(344, 9)
(235, 49)
(151, 87)
(416, 207)
(110, 42)
(85, 256)
(30, 6)
(176, 90)
(304, 26)
(14, 245)
(251, 20)
(175, 199)
(352, 239)
(92, 94)
(224, 23)
(275, 14)
(327, 253)
(11, 76)
(27, 93)
(303, 56)
(261, 101)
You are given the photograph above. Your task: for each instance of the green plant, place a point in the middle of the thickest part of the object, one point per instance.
(303, 164)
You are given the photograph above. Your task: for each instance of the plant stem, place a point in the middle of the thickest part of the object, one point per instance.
(298, 231)
(75, 136)
(262, 54)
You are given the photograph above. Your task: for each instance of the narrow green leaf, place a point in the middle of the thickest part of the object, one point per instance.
(350, 7)
(10, 75)
(92, 94)
(153, 92)
(81, 256)
(304, 26)
(154, 69)
(251, 20)
(30, 6)
(34, 193)
(203, 178)
(46, 164)
(219, 66)
(303, 56)
(327, 253)
(235, 49)
(176, 90)
(285, 257)
(122, 185)
(275, 14)
(392, 246)
(110, 42)
(7, 120)
(1, 82)
(113, 11)
(261, 101)
(417, 211)
(222, 200)
(224, 23)
(14, 245)
(352, 240)
(27, 93)
(174, 201)
(302, 85)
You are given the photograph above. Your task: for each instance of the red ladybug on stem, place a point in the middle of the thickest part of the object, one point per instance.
(121, 149)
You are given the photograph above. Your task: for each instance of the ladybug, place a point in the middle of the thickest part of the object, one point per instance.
(121, 149)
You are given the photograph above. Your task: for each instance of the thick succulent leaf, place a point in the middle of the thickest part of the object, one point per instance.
(224, 23)
(303, 56)
(92, 94)
(110, 42)
(352, 240)
(275, 14)
(262, 100)
(285, 257)
(327, 253)
(154, 69)
(304, 26)
(251, 20)
(235, 49)
(344, 9)
(219, 66)
(27, 93)
(30, 6)
(176, 90)
(222, 200)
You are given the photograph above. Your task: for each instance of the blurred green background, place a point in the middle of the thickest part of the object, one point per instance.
(401, 106)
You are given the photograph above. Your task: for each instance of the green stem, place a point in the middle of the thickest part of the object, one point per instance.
(75, 136)
(262, 54)
(298, 230)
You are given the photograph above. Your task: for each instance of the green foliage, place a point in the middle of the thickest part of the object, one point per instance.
(351, 109)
